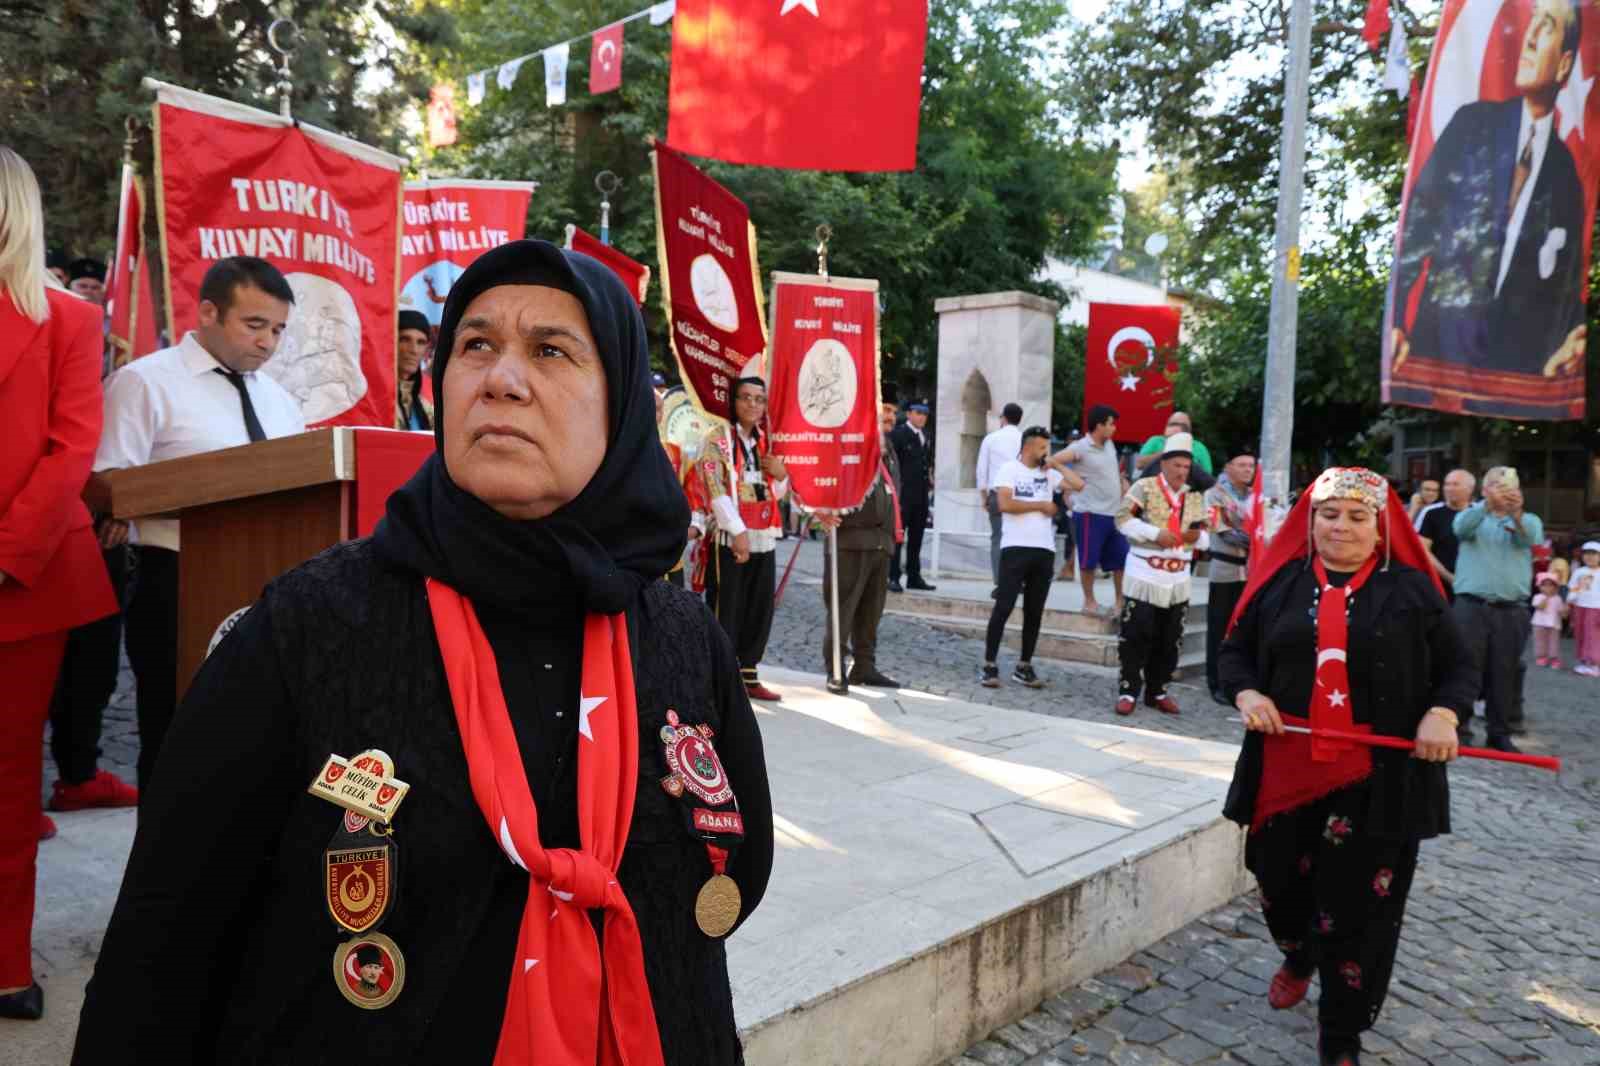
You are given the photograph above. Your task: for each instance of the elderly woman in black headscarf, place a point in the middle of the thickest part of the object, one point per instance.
(481, 787)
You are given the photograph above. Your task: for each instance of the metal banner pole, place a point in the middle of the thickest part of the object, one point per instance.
(833, 604)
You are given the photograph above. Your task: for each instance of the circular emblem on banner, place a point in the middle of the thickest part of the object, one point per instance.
(827, 384)
(713, 292)
(426, 289)
(318, 360)
(224, 629)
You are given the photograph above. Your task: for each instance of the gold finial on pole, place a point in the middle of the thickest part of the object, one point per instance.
(824, 235)
(284, 50)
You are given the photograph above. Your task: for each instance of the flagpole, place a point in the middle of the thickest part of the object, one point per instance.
(1277, 408)
(824, 235)
(285, 82)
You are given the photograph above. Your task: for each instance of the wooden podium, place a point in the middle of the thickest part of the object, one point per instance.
(250, 513)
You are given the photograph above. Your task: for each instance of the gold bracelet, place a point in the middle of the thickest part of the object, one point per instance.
(1445, 712)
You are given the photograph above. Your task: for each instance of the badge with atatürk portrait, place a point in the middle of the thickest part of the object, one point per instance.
(369, 970)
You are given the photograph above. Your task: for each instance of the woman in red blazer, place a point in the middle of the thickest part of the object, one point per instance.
(51, 574)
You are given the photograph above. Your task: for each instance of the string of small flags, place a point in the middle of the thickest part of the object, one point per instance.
(605, 60)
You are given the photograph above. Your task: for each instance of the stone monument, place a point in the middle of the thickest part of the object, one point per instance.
(994, 348)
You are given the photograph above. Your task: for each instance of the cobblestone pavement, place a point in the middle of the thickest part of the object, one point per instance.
(1500, 958)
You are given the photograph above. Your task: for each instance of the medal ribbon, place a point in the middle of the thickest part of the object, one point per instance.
(572, 1002)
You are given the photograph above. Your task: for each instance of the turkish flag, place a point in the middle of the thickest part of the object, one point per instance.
(605, 59)
(1130, 363)
(635, 275)
(802, 84)
(131, 309)
(1376, 25)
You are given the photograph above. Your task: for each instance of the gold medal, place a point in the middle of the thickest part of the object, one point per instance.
(716, 908)
(369, 970)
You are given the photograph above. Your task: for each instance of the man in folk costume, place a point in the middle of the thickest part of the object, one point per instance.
(1343, 626)
(1164, 521)
(744, 483)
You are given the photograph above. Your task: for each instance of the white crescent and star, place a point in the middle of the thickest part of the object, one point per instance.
(606, 60)
(585, 705)
(790, 5)
(1336, 698)
(1131, 333)
(1330, 654)
(1573, 99)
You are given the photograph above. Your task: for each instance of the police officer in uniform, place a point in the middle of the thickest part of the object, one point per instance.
(915, 452)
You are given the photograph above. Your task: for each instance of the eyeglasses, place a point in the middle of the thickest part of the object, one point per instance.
(758, 399)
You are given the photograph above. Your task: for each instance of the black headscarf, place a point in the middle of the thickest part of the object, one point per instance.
(628, 525)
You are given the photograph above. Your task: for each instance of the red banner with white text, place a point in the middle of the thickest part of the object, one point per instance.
(823, 394)
(129, 304)
(322, 208)
(448, 224)
(1130, 364)
(707, 249)
(635, 275)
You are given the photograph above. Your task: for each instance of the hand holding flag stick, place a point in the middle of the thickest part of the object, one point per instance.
(1543, 762)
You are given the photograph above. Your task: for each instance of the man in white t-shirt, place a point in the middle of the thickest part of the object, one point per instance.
(1025, 489)
(998, 448)
(1093, 457)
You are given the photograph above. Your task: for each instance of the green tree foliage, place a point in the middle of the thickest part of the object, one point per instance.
(70, 72)
(1000, 182)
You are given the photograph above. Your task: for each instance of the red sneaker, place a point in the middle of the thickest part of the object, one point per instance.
(1287, 989)
(1165, 704)
(757, 691)
(1124, 705)
(104, 789)
(47, 826)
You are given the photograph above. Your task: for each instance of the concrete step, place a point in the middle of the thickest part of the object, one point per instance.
(1058, 645)
(925, 604)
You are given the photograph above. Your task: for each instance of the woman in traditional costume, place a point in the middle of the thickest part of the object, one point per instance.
(1342, 626)
(485, 762)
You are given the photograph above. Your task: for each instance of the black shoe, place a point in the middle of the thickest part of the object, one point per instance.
(994, 593)
(873, 679)
(989, 677)
(1218, 696)
(1517, 729)
(27, 1005)
(838, 688)
(1024, 675)
(916, 584)
(894, 586)
(1503, 744)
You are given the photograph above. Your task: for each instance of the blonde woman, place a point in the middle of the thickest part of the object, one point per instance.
(51, 574)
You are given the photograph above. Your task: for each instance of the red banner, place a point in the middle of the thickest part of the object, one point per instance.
(448, 224)
(385, 460)
(805, 84)
(707, 250)
(635, 275)
(823, 396)
(129, 304)
(1130, 363)
(324, 209)
(1486, 306)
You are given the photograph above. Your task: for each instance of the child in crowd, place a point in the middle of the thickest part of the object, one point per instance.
(1548, 611)
(1585, 601)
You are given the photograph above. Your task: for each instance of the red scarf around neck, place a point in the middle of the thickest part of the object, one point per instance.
(571, 1003)
(1174, 507)
(1298, 768)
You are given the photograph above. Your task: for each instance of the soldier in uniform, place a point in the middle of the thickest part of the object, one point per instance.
(744, 483)
(915, 452)
(1164, 521)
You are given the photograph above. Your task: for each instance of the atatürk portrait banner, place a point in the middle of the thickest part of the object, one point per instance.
(325, 210)
(1485, 309)
(823, 393)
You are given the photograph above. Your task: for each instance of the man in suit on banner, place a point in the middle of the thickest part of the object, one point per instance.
(1494, 226)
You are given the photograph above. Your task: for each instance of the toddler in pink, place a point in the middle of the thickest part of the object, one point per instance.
(1548, 611)
(1584, 598)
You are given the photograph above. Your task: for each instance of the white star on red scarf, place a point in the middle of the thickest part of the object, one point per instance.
(790, 5)
(585, 705)
(1336, 698)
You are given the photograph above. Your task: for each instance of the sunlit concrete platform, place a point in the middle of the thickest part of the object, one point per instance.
(943, 867)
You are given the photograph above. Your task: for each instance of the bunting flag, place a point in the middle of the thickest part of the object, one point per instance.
(1130, 363)
(450, 223)
(1376, 23)
(662, 13)
(707, 250)
(1397, 65)
(129, 305)
(555, 74)
(635, 275)
(475, 87)
(442, 116)
(605, 60)
(1486, 307)
(507, 77)
(802, 84)
(823, 388)
(324, 209)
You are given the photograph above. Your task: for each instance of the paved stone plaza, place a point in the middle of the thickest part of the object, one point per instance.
(1500, 961)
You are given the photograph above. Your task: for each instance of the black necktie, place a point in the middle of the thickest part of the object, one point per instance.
(252, 424)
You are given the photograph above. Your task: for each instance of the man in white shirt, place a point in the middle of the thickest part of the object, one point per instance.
(1000, 447)
(1093, 458)
(1025, 488)
(199, 396)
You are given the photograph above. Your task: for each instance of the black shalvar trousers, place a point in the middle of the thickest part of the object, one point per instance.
(1496, 635)
(1148, 647)
(863, 590)
(152, 637)
(1219, 608)
(1028, 571)
(1334, 896)
(741, 595)
(86, 683)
